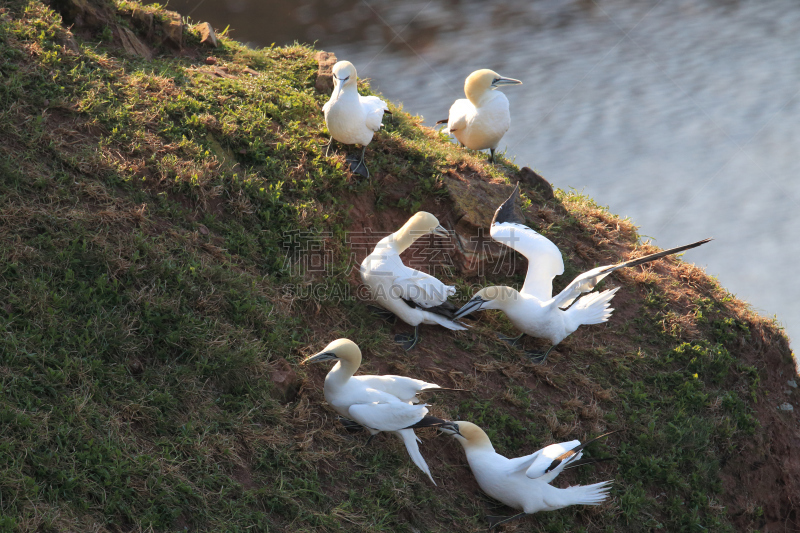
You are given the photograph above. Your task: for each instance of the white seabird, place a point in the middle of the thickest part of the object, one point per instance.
(413, 296)
(350, 117)
(378, 403)
(481, 119)
(523, 483)
(534, 310)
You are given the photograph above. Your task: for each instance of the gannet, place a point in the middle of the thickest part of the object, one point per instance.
(350, 117)
(534, 310)
(523, 483)
(378, 403)
(414, 296)
(481, 119)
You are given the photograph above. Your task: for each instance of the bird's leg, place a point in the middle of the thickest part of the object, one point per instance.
(539, 358)
(407, 340)
(511, 341)
(328, 147)
(350, 425)
(491, 157)
(360, 164)
(382, 313)
(495, 521)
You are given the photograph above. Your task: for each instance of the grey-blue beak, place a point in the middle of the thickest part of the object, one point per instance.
(470, 307)
(505, 81)
(440, 231)
(451, 428)
(320, 357)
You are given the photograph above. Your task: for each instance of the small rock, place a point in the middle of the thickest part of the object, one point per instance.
(143, 21)
(202, 229)
(70, 44)
(207, 35)
(173, 28)
(210, 60)
(132, 44)
(326, 61)
(533, 180)
(285, 383)
(792, 383)
(786, 407)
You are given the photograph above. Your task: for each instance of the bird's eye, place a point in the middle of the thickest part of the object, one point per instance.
(495, 80)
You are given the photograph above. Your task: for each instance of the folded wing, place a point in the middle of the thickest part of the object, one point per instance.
(406, 389)
(374, 108)
(457, 120)
(387, 416)
(421, 288)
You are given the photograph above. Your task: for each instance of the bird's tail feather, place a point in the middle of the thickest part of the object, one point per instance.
(591, 309)
(586, 494)
(410, 439)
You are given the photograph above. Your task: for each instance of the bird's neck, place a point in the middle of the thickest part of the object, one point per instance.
(479, 98)
(341, 372)
(479, 444)
(403, 238)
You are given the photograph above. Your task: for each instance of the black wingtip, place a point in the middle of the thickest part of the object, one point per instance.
(574, 451)
(428, 422)
(588, 461)
(509, 210)
(443, 121)
(659, 255)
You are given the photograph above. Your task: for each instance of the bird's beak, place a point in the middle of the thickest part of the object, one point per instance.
(338, 90)
(440, 231)
(470, 307)
(505, 81)
(451, 428)
(320, 357)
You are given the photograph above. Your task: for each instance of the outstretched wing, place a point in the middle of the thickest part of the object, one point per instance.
(550, 455)
(374, 108)
(544, 258)
(388, 416)
(457, 120)
(588, 280)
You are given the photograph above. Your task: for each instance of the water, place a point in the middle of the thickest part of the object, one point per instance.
(682, 115)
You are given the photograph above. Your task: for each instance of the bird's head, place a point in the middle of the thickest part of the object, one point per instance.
(339, 350)
(482, 81)
(344, 75)
(467, 433)
(417, 226)
(494, 297)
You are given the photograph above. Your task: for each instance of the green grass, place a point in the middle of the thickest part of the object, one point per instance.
(146, 298)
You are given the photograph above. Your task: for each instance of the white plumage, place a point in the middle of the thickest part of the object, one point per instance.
(480, 120)
(524, 482)
(533, 310)
(350, 117)
(378, 403)
(413, 296)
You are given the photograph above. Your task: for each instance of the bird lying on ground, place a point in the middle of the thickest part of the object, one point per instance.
(523, 483)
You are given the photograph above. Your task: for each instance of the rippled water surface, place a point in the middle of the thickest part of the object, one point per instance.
(682, 115)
